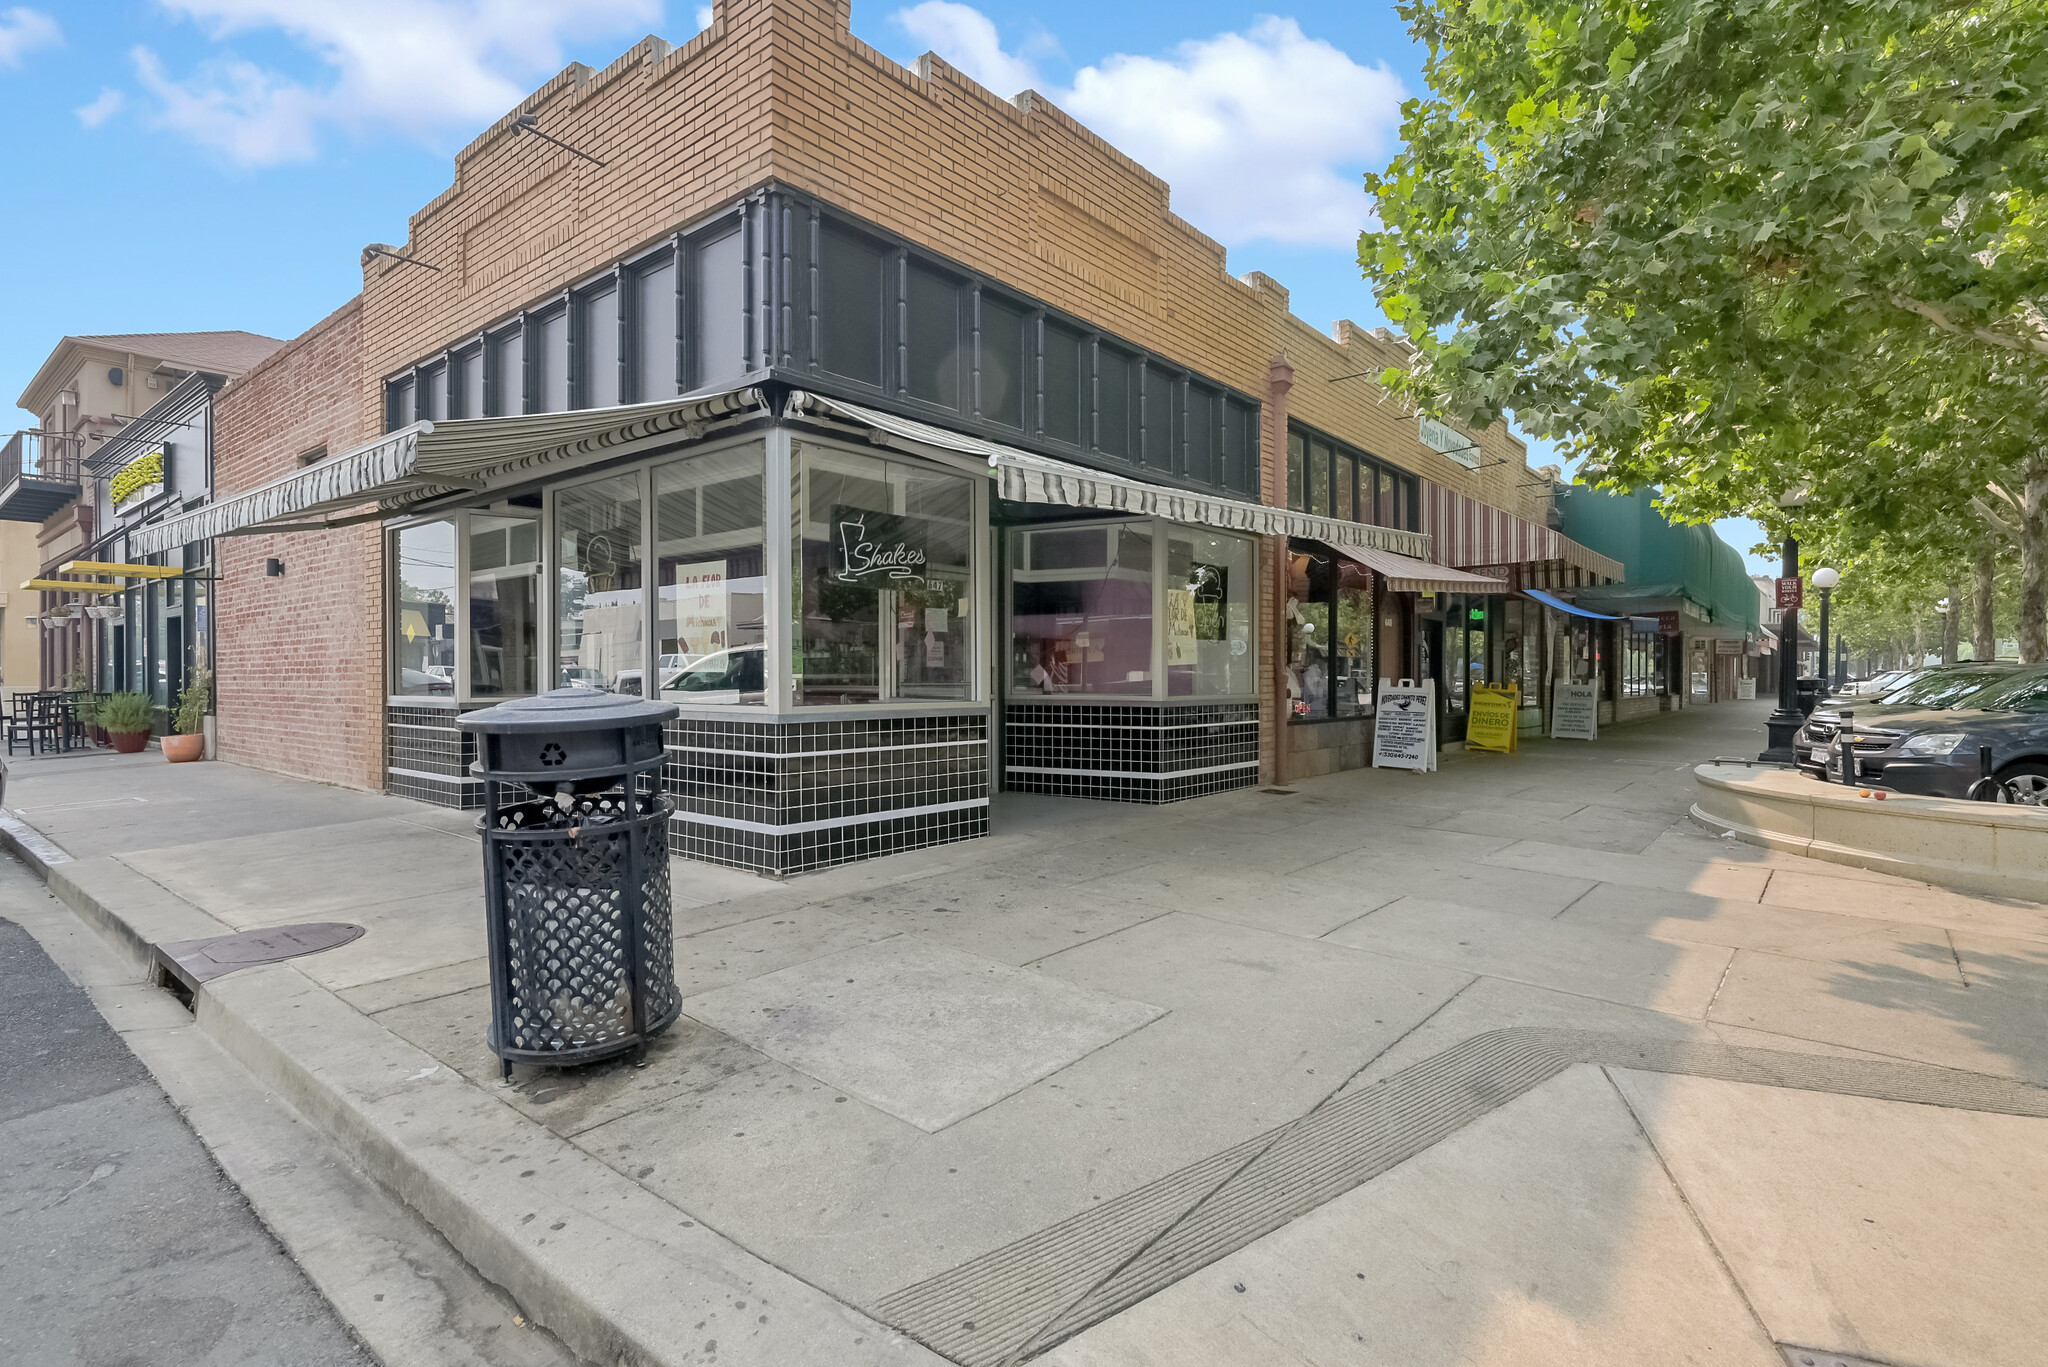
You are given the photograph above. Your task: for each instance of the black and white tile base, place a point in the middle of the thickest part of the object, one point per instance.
(790, 796)
(427, 757)
(1130, 752)
(775, 797)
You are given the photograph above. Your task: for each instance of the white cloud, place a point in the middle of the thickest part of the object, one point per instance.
(23, 30)
(967, 38)
(109, 103)
(706, 17)
(1260, 133)
(419, 66)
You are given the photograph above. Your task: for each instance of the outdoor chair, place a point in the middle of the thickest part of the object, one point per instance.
(28, 721)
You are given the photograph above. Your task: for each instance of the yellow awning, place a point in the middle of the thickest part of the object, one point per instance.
(75, 586)
(106, 567)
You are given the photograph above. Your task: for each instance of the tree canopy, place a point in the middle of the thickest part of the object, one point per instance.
(1676, 235)
(1730, 247)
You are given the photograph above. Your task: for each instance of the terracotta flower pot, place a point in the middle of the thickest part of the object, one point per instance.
(128, 742)
(184, 749)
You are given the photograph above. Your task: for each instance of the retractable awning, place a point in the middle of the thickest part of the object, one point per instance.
(1406, 575)
(1648, 625)
(1026, 478)
(429, 459)
(1550, 600)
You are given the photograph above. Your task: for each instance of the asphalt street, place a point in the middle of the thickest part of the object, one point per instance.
(121, 1242)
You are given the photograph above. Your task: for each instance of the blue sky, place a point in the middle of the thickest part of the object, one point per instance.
(193, 164)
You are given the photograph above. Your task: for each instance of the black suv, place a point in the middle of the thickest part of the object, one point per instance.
(1929, 690)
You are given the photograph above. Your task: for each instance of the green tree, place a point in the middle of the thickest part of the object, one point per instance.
(1733, 246)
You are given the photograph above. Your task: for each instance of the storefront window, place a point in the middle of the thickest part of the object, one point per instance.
(1208, 614)
(601, 613)
(504, 606)
(709, 543)
(1081, 610)
(1329, 634)
(884, 563)
(423, 624)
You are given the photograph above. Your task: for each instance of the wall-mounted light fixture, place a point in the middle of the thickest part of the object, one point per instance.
(273, 568)
(530, 123)
(376, 249)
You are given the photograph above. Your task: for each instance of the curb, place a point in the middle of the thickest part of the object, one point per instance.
(619, 1274)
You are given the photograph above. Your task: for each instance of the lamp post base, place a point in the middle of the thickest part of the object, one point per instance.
(1781, 727)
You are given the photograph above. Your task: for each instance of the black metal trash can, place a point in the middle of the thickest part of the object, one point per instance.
(1806, 693)
(576, 888)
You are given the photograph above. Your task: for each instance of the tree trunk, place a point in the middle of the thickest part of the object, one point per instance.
(1952, 626)
(2033, 624)
(1919, 640)
(1984, 600)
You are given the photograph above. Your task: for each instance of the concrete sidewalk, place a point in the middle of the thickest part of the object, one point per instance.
(1502, 1063)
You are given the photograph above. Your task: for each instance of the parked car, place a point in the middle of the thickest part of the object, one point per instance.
(1931, 689)
(1933, 751)
(1876, 686)
(722, 676)
(576, 676)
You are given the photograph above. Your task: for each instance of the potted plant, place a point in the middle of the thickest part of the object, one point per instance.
(189, 721)
(127, 719)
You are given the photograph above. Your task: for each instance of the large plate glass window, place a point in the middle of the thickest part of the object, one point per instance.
(884, 567)
(422, 620)
(1329, 634)
(1081, 610)
(601, 611)
(1208, 614)
(504, 606)
(710, 544)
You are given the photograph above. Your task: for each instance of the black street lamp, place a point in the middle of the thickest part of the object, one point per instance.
(1784, 723)
(1825, 580)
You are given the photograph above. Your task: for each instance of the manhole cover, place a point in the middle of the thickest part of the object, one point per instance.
(1820, 1357)
(198, 961)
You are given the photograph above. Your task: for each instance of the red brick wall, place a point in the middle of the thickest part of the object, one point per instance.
(301, 658)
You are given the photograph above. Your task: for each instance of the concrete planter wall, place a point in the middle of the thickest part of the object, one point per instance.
(1975, 846)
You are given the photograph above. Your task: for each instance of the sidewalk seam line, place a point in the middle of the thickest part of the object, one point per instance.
(1706, 1235)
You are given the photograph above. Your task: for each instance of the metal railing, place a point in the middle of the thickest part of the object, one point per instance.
(52, 456)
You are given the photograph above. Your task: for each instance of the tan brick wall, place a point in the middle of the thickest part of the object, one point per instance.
(300, 658)
(779, 89)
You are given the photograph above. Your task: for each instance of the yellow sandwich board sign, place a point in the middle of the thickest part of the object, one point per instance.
(1492, 724)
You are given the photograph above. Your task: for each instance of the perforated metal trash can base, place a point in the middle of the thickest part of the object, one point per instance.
(570, 889)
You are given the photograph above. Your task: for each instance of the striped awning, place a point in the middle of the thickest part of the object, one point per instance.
(1468, 532)
(1026, 478)
(428, 460)
(1406, 575)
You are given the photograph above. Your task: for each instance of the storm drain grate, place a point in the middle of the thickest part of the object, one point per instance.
(1017, 1301)
(182, 965)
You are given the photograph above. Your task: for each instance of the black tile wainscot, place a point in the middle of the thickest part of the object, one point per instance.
(1130, 752)
(784, 797)
(427, 757)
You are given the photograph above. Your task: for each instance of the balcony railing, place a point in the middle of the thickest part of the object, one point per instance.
(40, 472)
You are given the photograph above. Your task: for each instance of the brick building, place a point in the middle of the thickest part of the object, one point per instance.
(899, 433)
(301, 645)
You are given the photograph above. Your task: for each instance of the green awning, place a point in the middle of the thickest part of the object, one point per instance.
(1665, 560)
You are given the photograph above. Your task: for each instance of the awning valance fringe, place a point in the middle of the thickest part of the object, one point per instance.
(427, 460)
(1023, 477)
(1407, 575)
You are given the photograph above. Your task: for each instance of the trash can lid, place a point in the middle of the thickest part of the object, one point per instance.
(569, 709)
